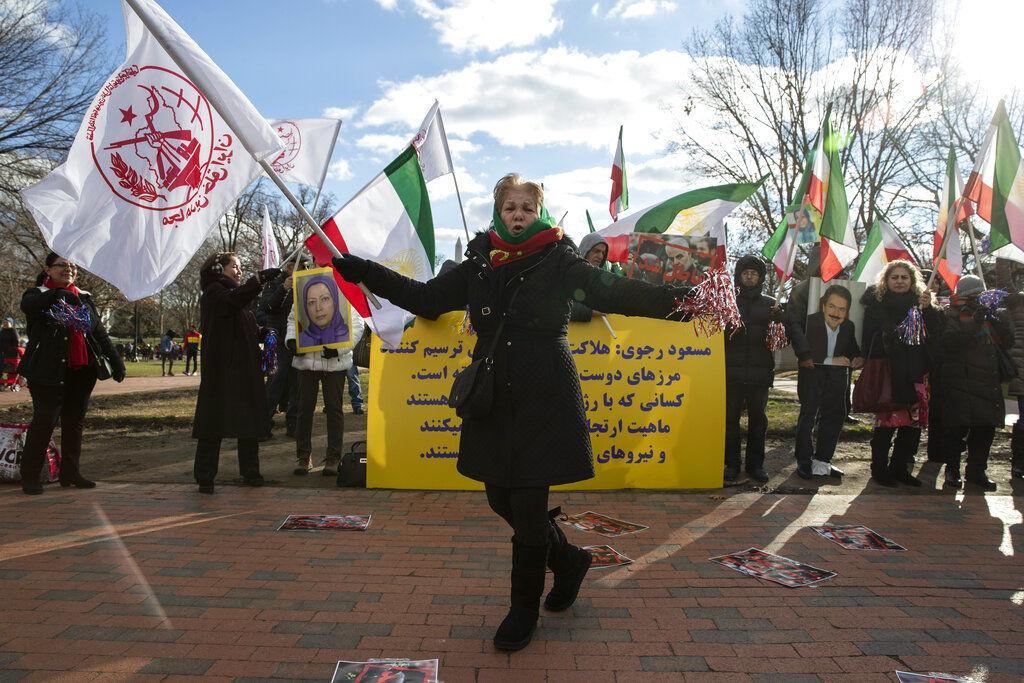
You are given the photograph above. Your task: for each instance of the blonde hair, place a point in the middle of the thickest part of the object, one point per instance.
(514, 181)
(916, 279)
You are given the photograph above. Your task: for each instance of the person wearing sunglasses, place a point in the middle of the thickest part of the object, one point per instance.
(60, 364)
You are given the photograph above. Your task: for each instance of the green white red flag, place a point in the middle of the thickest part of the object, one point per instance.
(883, 245)
(698, 212)
(389, 221)
(947, 254)
(820, 212)
(619, 201)
(995, 187)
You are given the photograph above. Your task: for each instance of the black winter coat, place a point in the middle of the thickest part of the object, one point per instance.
(45, 360)
(747, 358)
(232, 399)
(970, 369)
(275, 306)
(537, 432)
(907, 364)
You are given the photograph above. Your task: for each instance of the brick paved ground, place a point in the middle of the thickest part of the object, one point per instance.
(154, 582)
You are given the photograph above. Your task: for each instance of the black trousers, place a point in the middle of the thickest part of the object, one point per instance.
(822, 394)
(979, 443)
(208, 460)
(903, 451)
(525, 510)
(755, 399)
(283, 388)
(309, 385)
(67, 403)
(193, 356)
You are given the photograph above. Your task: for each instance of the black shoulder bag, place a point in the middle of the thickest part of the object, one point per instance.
(472, 393)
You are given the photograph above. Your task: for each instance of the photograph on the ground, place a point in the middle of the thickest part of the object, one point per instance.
(659, 258)
(606, 556)
(835, 321)
(781, 570)
(856, 537)
(601, 524)
(325, 523)
(322, 315)
(386, 671)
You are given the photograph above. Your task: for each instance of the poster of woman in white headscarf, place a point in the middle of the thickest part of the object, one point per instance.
(321, 314)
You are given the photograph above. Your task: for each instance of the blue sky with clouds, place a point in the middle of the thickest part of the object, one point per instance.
(535, 86)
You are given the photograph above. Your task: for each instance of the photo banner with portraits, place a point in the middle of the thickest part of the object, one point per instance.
(660, 258)
(654, 397)
(834, 309)
(323, 318)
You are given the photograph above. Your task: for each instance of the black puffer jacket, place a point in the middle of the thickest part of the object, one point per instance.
(747, 358)
(908, 364)
(537, 433)
(970, 368)
(45, 360)
(232, 400)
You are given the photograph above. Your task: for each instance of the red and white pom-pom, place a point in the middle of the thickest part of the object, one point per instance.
(776, 338)
(711, 305)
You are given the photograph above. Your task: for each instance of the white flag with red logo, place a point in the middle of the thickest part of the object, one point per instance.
(154, 165)
(308, 144)
(271, 254)
(431, 145)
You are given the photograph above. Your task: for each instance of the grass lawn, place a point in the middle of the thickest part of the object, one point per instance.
(150, 368)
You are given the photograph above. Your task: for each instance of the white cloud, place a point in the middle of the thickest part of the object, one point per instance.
(339, 170)
(382, 143)
(636, 9)
(346, 114)
(489, 25)
(388, 4)
(555, 97)
(595, 9)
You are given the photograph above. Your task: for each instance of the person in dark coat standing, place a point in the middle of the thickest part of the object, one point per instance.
(825, 344)
(1015, 308)
(900, 287)
(283, 386)
(749, 370)
(524, 271)
(60, 365)
(970, 372)
(232, 401)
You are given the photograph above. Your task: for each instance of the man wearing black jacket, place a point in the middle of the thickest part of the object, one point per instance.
(274, 308)
(826, 347)
(749, 371)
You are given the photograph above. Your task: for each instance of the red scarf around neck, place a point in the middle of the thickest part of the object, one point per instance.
(503, 252)
(78, 352)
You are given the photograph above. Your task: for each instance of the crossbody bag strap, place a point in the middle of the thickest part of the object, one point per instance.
(501, 326)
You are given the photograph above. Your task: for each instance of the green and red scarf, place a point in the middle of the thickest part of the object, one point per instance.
(506, 247)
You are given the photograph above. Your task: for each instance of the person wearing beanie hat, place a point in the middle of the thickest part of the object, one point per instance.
(971, 376)
(749, 370)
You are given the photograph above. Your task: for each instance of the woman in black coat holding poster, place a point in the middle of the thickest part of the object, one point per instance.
(232, 401)
(525, 271)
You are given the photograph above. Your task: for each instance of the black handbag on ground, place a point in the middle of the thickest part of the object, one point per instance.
(472, 393)
(352, 468)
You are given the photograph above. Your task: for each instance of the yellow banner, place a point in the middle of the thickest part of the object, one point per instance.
(655, 405)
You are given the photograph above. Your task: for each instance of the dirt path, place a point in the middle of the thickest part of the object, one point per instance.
(131, 385)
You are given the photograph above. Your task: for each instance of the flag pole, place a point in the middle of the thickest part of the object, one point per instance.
(327, 164)
(974, 250)
(455, 179)
(789, 265)
(228, 115)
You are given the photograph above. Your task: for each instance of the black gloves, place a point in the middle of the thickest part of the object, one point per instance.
(290, 345)
(329, 353)
(267, 275)
(118, 374)
(351, 268)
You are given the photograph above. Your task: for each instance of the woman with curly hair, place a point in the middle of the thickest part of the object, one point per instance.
(899, 289)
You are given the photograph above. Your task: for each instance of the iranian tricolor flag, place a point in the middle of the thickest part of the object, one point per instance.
(946, 252)
(996, 185)
(388, 221)
(698, 212)
(820, 208)
(619, 201)
(883, 246)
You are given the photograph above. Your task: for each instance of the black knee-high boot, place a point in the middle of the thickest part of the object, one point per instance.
(568, 563)
(528, 569)
(1017, 451)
